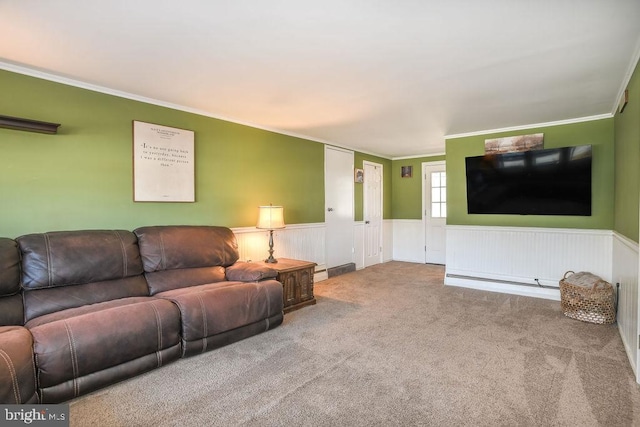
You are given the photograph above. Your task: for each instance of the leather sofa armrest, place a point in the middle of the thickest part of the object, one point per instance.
(17, 369)
(249, 272)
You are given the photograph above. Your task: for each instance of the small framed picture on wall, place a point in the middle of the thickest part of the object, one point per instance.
(359, 176)
(407, 171)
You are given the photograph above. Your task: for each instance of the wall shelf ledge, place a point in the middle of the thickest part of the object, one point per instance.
(29, 125)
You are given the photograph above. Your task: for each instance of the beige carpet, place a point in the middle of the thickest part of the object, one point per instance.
(392, 346)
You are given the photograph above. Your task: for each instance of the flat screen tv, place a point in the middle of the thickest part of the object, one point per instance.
(555, 181)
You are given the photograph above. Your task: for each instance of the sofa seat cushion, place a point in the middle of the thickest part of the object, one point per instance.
(84, 309)
(17, 370)
(160, 281)
(73, 346)
(215, 308)
(39, 303)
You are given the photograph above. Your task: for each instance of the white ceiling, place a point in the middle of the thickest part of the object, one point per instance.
(385, 77)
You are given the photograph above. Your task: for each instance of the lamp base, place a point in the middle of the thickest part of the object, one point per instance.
(271, 259)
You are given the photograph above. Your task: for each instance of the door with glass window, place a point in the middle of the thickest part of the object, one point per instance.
(434, 211)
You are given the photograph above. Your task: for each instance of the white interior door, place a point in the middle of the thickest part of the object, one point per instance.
(434, 203)
(338, 206)
(372, 213)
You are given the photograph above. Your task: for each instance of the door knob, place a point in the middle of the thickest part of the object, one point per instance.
(366, 222)
(330, 209)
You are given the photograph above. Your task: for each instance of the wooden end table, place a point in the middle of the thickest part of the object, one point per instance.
(297, 280)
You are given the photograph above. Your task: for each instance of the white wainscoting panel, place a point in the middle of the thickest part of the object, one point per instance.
(387, 240)
(298, 241)
(408, 240)
(491, 258)
(625, 272)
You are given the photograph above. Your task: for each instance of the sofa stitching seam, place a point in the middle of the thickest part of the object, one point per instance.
(14, 377)
(39, 389)
(74, 360)
(35, 373)
(162, 254)
(159, 328)
(47, 244)
(124, 254)
(204, 324)
(266, 291)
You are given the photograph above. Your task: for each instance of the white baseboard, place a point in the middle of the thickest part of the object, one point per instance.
(502, 287)
(415, 261)
(320, 276)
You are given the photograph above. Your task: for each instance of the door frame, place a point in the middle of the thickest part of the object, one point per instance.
(425, 202)
(364, 213)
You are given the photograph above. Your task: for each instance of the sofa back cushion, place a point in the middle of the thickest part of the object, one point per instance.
(69, 269)
(11, 309)
(177, 256)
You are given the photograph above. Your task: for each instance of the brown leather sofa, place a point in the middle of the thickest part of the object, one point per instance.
(17, 370)
(106, 305)
(218, 304)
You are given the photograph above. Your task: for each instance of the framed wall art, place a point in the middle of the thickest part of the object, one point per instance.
(163, 163)
(512, 144)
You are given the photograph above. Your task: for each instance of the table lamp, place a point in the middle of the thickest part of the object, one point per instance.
(270, 218)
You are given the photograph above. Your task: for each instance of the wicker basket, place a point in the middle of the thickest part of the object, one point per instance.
(585, 296)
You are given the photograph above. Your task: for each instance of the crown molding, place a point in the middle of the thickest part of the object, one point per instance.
(627, 77)
(32, 72)
(532, 126)
(419, 156)
(41, 74)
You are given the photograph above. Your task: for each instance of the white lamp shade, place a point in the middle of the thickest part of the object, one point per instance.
(270, 217)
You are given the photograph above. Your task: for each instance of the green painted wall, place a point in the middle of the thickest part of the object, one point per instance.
(627, 159)
(82, 177)
(386, 185)
(599, 133)
(407, 192)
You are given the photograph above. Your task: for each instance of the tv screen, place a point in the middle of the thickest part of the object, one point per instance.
(555, 181)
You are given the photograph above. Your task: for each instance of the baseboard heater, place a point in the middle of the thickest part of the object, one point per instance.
(506, 282)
